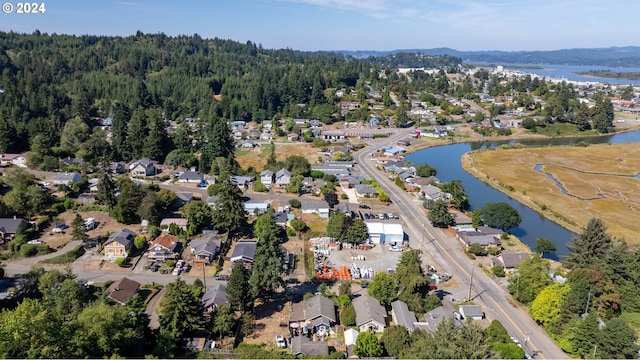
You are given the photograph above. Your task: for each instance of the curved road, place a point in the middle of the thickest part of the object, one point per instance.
(495, 300)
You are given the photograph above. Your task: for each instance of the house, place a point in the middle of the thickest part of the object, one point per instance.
(461, 219)
(197, 344)
(344, 208)
(243, 252)
(310, 206)
(487, 230)
(67, 178)
(293, 137)
(118, 244)
(214, 297)
(165, 246)
(7, 159)
(191, 177)
(350, 337)
(312, 185)
(301, 345)
(117, 167)
(252, 208)
(509, 260)
(283, 177)
(434, 193)
(365, 190)
(211, 200)
(266, 178)
(473, 312)
(434, 318)
(183, 198)
(402, 316)
(68, 161)
(123, 290)
(204, 249)
(87, 198)
(469, 238)
(211, 179)
(281, 218)
(318, 314)
(248, 144)
(370, 315)
(9, 227)
(179, 222)
(243, 182)
(142, 167)
(385, 233)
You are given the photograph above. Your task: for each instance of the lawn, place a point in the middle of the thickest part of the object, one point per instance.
(599, 181)
(257, 158)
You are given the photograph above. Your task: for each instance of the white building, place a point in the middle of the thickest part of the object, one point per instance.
(385, 233)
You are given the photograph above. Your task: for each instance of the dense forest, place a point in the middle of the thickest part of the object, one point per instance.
(54, 85)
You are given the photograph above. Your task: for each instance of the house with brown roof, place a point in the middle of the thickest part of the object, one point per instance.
(123, 290)
(164, 247)
(179, 222)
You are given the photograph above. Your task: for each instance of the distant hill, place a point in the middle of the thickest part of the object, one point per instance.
(627, 56)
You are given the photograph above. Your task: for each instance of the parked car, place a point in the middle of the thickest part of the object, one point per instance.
(364, 284)
(395, 248)
(177, 271)
(281, 342)
(222, 277)
(366, 216)
(362, 206)
(154, 267)
(60, 228)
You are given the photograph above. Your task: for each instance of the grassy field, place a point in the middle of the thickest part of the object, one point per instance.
(599, 181)
(257, 158)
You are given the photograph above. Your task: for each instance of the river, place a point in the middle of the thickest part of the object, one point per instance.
(570, 72)
(446, 160)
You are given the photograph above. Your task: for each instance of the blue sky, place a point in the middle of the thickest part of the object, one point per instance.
(353, 24)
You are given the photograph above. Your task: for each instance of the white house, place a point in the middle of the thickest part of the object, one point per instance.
(370, 315)
(473, 312)
(266, 178)
(283, 177)
(191, 177)
(319, 207)
(67, 178)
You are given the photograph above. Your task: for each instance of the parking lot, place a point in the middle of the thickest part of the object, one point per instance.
(379, 258)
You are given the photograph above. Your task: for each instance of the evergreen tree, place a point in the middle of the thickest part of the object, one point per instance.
(267, 262)
(137, 133)
(439, 214)
(106, 190)
(180, 310)
(78, 229)
(357, 232)
(126, 209)
(589, 248)
(229, 212)
(221, 142)
(119, 131)
(238, 290)
(155, 141)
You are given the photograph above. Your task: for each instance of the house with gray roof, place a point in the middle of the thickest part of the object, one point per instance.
(142, 167)
(311, 206)
(244, 252)
(301, 345)
(509, 260)
(191, 177)
(206, 247)
(67, 178)
(434, 318)
(473, 312)
(9, 227)
(402, 316)
(317, 314)
(283, 177)
(370, 314)
(365, 190)
(214, 297)
(266, 178)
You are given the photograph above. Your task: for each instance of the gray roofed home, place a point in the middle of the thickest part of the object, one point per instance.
(11, 226)
(343, 208)
(266, 177)
(512, 259)
(402, 316)
(244, 251)
(471, 312)
(318, 313)
(310, 206)
(67, 178)
(283, 177)
(488, 230)
(214, 297)
(123, 290)
(434, 318)
(281, 218)
(205, 248)
(124, 237)
(68, 161)
(302, 345)
(365, 190)
(370, 315)
(191, 177)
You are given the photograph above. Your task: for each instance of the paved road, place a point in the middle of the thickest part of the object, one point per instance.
(444, 248)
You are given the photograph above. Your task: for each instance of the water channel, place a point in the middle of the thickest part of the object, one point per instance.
(446, 159)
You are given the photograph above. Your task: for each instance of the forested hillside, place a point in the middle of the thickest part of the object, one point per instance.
(54, 86)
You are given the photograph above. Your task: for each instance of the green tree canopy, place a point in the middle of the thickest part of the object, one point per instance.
(384, 288)
(238, 289)
(531, 278)
(545, 309)
(588, 249)
(439, 214)
(500, 215)
(367, 345)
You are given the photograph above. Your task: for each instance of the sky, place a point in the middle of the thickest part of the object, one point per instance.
(310, 25)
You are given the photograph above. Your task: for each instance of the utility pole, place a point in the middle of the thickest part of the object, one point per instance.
(470, 284)
(586, 309)
(204, 276)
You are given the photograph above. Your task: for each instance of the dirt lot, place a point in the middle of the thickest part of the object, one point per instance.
(105, 225)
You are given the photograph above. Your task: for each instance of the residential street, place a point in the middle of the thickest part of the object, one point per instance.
(495, 300)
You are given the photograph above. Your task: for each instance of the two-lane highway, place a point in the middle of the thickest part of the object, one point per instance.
(484, 291)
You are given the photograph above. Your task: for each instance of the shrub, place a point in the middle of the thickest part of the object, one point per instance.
(171, 263)
(295, 203)
(120, 261)
(498, 271)
(494, 251)
(344, 196)
(258, 186)
(477, 250)
(348, 315)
